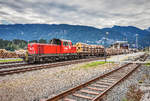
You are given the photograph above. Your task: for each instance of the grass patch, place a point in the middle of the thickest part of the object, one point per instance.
(92, 64)
(148, 63)
(11, 60)
(124, 99)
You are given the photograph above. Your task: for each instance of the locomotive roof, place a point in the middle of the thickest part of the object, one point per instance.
(39, 43)
(65, 40)
(61, 39)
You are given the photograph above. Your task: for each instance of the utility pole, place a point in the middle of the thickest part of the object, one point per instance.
(137, 41)
(105, 47)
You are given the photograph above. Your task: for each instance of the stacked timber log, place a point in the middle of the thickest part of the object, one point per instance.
(20, 52)
(83, 48)
(114, 51)
(111, 51)
(8, 54)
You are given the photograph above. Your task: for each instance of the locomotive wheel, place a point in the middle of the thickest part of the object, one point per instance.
(53, 59)
(41, 59)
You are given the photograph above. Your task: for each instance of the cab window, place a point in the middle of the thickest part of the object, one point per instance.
(65, 43)
(55, 42)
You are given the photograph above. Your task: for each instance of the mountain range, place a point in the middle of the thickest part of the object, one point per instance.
(76, 33)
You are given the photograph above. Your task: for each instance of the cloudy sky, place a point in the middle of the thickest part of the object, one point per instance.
(98, 13)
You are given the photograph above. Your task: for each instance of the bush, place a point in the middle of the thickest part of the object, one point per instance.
(133, 94)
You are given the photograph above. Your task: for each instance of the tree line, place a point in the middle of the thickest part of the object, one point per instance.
(16, 44)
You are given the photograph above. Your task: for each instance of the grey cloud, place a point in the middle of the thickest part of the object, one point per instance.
(62, 6)
(98, 13)
(3, 13)
(17, 6)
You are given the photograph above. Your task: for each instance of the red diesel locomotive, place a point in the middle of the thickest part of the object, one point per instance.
(57, 49)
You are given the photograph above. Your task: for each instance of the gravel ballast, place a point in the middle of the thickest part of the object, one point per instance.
(46, 83)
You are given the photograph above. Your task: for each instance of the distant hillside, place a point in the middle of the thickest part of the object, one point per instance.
(148, 29)
(76, 33)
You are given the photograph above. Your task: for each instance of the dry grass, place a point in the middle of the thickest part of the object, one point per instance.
(133, 94)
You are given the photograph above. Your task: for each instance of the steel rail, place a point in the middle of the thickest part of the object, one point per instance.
(13, 65)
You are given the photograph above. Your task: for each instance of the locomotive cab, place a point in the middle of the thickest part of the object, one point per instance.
(55, 41)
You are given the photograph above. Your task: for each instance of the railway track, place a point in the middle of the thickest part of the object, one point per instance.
(95, 89)
(40, 66)
(13, 65)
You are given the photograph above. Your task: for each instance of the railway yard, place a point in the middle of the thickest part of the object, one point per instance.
(81, 50)
(76, 80)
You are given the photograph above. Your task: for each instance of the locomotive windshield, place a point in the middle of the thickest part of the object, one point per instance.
(55, 41)
(65, 43)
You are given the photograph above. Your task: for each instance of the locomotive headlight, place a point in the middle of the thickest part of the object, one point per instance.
(69, 47)
(65, 48)
(31, 48)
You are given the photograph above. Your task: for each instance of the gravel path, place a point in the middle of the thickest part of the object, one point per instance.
(35, 85)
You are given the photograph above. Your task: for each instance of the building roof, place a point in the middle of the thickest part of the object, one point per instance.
(120, 42)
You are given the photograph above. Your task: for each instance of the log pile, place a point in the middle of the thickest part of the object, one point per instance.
(89, 49)
(8, 54)
(114, 51)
